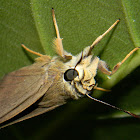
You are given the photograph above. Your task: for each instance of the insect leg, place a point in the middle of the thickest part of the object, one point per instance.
(98, 39)
(116, 67)
(31, 51)
(104, 68)
(58, 41)
(101, 89)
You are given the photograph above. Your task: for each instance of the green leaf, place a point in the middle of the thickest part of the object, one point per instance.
(80, 23)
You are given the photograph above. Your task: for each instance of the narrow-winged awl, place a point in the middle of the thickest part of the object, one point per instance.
(50, 82)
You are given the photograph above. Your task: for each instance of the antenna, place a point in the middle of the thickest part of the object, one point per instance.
(134, 115)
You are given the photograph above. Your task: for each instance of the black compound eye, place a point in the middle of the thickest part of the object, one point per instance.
(70, 74)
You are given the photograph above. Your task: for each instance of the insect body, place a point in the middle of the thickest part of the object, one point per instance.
(49, 82)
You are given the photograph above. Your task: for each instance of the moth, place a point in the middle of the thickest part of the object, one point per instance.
(50, 82)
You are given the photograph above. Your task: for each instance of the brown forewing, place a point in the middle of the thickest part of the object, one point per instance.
(21, 88)
(40, 84)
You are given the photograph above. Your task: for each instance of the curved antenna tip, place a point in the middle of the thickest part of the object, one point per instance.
(125, 111)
